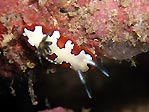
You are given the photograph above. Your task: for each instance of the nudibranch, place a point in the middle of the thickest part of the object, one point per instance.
(58, 49)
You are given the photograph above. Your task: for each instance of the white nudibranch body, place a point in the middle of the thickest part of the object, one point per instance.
(77, 62)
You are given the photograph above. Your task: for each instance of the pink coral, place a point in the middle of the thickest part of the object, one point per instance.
(15, 55)
(58, 109)
(93, 24)
(3, 30)
(116, 29)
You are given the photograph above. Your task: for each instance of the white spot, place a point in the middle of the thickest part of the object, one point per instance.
(56, 35)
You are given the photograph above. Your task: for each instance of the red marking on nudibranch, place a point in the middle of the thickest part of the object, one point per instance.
(65, 65)
(32, 27)
(52, 56)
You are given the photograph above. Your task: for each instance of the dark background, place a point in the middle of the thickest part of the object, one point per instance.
(127, 87)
